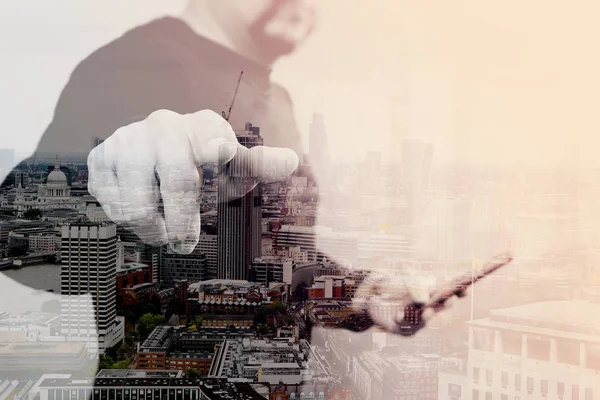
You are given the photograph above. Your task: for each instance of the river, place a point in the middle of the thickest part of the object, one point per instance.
(43, 277)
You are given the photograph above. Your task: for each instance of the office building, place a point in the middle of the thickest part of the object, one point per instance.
(208, 244)
(271, 269)
(21, 179)
(89, 262)
(240, 210)
(545, 350)
(318, 146)
(191, 267)
(130, 384)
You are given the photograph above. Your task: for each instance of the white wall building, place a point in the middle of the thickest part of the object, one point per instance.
(88, 285)
(547, 350)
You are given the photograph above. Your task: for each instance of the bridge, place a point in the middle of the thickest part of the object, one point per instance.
(32, 259)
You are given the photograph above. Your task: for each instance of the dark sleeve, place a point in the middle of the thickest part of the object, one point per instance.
(120, 83)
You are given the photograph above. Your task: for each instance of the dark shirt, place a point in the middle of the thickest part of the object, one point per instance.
(165, 65)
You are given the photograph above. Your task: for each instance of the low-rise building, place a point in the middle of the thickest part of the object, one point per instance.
(152, 354)
(275, 361)
(225, 321)
(327, 287)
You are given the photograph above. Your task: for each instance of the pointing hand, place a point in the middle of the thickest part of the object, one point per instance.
(158, 158)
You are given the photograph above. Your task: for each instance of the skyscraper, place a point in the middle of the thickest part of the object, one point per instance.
(318, 147)
(239, 211)
(415, 170)
(88, 279)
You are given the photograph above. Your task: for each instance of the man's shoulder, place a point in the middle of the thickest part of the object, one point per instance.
(281, 93)
(151, 46)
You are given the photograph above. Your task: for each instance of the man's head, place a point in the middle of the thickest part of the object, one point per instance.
(272, 27)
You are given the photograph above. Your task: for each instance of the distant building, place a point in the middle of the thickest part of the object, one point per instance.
(266, 270)
(130, 384)
(132, 275)
(21, 238)
(21, 179)
(64, 169)
(169, 347)
(327, 287)
(44, 242)
(276, 361)
(208, 244)
(54, 194)
(241, 321)
(192, 267)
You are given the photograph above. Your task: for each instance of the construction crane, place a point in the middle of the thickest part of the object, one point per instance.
(226, 116)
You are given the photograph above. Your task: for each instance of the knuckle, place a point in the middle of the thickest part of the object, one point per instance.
(208, 115)
(161, 115)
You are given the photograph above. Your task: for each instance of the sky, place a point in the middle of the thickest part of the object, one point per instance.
(488, 82)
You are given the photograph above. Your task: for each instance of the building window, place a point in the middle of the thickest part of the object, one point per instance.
(475, 394)
(529, 384)
(544, 386)
(488, 395)
(592, 356)
(512, 343)
(589, 394)
(575, 392)
(504, 379)
(560, 388)
(489, 376)
(567, 352)
(483, 340)
(538, 348)
(454, 390)
(503, 397)
(518, 382)
(475, 374)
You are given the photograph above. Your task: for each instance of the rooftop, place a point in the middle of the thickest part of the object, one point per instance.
(565, 316)
(41, 348)
(129, 267)
(159, 338)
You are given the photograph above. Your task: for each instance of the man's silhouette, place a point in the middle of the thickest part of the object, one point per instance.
(185, 65)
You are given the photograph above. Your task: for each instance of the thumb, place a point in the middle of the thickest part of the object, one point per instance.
(273, 163)
(249, 167)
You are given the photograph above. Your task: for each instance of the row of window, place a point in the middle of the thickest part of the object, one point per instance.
(531, 387)
(589, 395)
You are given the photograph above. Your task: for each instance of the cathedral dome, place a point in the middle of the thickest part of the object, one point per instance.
(57, 176)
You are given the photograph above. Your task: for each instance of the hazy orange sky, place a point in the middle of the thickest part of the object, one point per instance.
(488, 81)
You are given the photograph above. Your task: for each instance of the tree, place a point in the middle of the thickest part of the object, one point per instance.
(148, 322)
(122, 364)
(175, 306)
(106, 362)
(111, 353)
(192, 373)
(34, 213)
